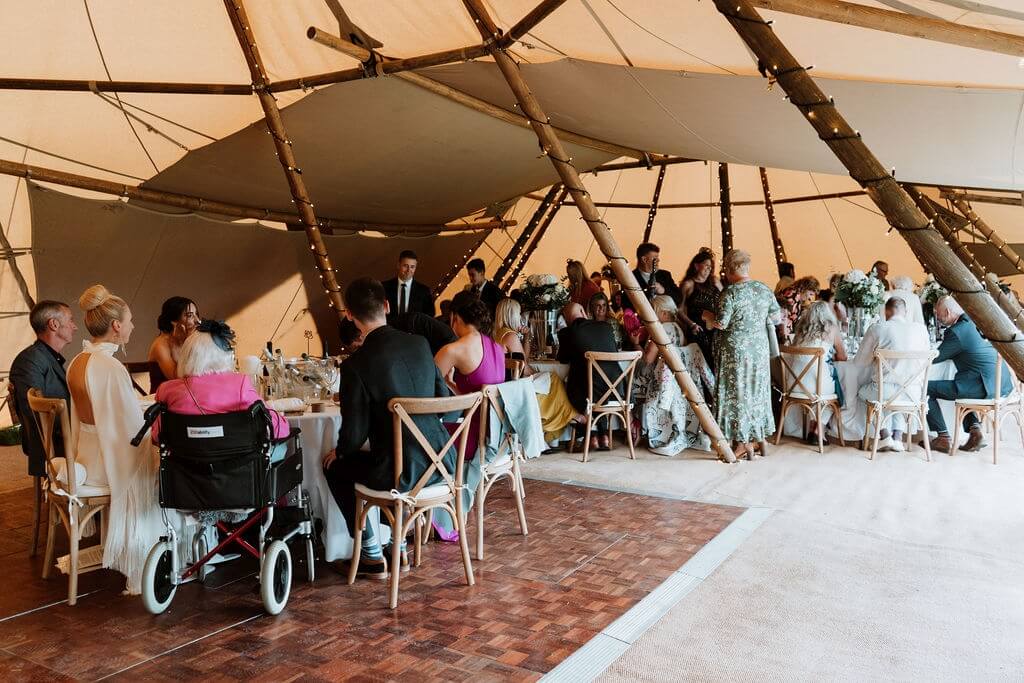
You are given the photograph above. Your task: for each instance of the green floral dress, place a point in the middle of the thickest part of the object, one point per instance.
(743, 378)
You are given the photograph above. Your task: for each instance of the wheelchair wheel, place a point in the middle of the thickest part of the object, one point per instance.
(276, 577)
(158, 589)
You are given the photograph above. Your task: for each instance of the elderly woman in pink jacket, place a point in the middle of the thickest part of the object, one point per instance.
(207, 383)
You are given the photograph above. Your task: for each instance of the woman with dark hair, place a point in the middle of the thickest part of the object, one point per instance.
(178, 318)
(701, 289)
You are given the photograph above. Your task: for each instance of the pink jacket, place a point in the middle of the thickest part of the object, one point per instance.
(223, 392)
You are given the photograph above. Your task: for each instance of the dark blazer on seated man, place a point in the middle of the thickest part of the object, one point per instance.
(420, 300)
(37, 367)
(580, 336)
(389, 364)
(433, 330)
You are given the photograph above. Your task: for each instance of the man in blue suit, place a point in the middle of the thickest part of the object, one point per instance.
(975, 361)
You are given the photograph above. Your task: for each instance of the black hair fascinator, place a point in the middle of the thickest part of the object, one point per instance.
(223, 335)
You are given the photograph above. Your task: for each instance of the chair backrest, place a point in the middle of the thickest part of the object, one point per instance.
(912, 374)
(12, 406)
(140, 368)
(48, 413)
(492, 401)
(404, 408)
(217, 435)
(809, 382)
(514, 366)
(626, 362)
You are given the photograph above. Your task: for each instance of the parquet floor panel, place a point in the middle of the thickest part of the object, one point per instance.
(591, 554)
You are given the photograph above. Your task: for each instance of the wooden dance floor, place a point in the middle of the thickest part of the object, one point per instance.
(590, 556)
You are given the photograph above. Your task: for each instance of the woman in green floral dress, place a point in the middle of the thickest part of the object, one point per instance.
(743, 378)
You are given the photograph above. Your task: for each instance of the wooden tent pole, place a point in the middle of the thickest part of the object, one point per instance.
(655, 160)
(705, 205)
(71, 85)
(950, 194)
(1008, 252)
(939, 30)
(725, 205)
(773, 225)
(459, 265)
(191, 203)
(292, 172)
(653, 211)
(526, 234)
(553, 149)
(541, 230)
(9, 254)
(899, 208)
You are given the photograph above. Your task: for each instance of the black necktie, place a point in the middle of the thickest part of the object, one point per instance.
(401, 301)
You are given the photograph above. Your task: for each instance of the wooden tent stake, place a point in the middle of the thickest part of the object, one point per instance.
(899, 208)
(459, 265)
(510, 282)
(773, 226)
(725, 204)
(654, 205)
(526, 234)
(275, 126)
(553, 149)
(1008, 252)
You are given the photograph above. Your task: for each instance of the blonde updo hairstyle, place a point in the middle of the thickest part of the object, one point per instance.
(101, 309)
(737, 262)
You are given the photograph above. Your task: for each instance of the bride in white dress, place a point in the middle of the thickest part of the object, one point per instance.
(105, 415)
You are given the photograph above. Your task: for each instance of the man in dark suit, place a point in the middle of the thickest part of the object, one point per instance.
(388, 364)
(652, 280)
(579, 336)
(433, 330)
(975, 361)
(406, 294)
(41, 366)
(488, 291)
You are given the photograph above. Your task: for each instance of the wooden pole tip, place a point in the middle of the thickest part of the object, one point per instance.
(311, 32)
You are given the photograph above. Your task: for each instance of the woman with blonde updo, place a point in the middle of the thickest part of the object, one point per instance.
(105, 415)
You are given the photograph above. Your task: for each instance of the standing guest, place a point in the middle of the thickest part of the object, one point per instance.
(406, 294)
(795, 298)
(178, 319)
(787, 276)
(742, 370)
(817, 328)
(579, 336)
(41, 366)
(105, 416)
(975, 361)
(446, 313)
(880, 269)
(895, 333)
(581, 288)
(700, 289)
(653, 281)
(903, 288)
(389, 364)
(488, 291)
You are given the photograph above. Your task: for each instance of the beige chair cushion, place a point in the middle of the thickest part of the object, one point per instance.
(427, 493)
(824, 397)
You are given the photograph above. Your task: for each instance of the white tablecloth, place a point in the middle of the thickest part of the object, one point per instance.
(560, 369)
(852, 377)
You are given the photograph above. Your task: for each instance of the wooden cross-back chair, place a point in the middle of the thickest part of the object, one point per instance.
(409, 509)
(993, 410)
(910, 397)
(617, 400)
(807, 390)
(70, 503)
(504, 463)
(38, 483)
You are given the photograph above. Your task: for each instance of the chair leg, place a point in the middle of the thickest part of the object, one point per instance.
(418, 533)
(1020, 421)
(821, 428)
(878, 434)
(518, 494)
(586, 437)
(782, 420)
(480, 495)
(927, 440)
(996, 424)
(629, 432)
(37, 505)
(52, 520)
(867, 427)
(73, 539)
(397, 533)
(838, 415)
(954, 434)
(357, 545)
(460, 521)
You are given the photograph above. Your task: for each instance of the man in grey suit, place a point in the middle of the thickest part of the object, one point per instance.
(41, 366)
(975, 361)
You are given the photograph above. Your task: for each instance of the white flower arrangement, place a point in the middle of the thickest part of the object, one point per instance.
(931, 291)
(543, 293)
(858, 290)
(542, 280)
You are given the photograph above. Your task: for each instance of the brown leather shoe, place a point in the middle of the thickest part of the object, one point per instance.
(975, 441)
(939, 443)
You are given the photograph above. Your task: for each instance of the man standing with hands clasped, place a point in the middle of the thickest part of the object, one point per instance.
(406, 295)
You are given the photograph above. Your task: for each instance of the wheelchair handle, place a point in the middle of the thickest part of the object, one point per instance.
(151, 415)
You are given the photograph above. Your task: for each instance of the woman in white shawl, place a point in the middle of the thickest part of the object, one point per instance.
(105, 415)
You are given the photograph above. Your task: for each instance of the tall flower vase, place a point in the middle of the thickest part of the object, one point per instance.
(859, 321)
(542, 331)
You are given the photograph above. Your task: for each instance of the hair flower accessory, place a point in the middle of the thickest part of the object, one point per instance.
(223, 335)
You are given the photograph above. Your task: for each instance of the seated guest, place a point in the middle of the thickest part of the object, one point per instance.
(975, 361)
(599, 309)
(700, 289)
(434, 331)
(178, 318)
(795, 298)
(818, 328)
(579, 336)
(787, 276)
(445, 315)
(389, 364)
(880, 269)
(895, 333)
(511, 333)
(208, 383)
(41, 366)
(581, 288)
(488, 291)
(903, 288)
(406, 294)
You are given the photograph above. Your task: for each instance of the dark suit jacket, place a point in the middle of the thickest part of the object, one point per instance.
(37, 367)
(575, 340)
(662, 276)
(389, 364)
(491, 294)
(433, 330)
(420, 298)
(975, 361)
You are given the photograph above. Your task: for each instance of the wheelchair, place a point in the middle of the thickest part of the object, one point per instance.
(222, 464)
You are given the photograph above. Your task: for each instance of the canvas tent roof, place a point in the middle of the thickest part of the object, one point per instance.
(937, 112)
